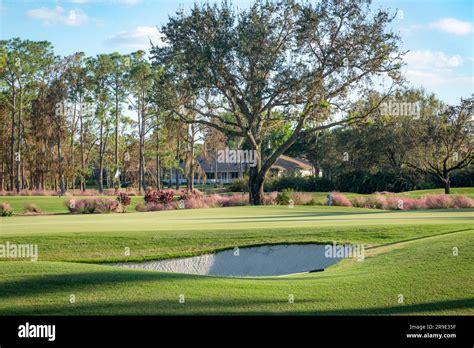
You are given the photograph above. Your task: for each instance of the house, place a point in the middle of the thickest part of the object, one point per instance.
(223, 173)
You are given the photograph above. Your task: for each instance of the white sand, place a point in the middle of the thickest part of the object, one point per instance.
(269, 260)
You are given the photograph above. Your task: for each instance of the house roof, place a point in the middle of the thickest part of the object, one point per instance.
(289, 163)
(283, 163)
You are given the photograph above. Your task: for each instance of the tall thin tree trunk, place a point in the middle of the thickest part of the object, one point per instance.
(158, 160)
(101, 157)
(116, 159)
(81, 140)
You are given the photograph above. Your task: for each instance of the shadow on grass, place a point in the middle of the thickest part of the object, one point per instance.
(231, 306)
(84, 281)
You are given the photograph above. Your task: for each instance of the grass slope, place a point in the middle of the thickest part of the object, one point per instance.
(409, 254)
(424, 271)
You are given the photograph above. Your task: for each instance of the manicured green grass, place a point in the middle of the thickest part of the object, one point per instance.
(102, 237)
(425, 272)
(409, 253)
(467, 191)
(54, 204)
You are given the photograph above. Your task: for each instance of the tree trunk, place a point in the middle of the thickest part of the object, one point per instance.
(116, 159)
(101, 158)
(81, 136)
(447, 186)
(256, 179)
(60, 165)
(18, 148)
(256, 188)
(158, 161)
(177, 165)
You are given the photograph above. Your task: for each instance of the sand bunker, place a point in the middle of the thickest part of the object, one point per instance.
(267, 260)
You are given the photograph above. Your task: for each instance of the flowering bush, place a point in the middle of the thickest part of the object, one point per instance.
(93, 205)
(270, 198)
(5, 209)
(339, 199)
(159, 196)
(440, 201)
(124, 200)
(186, 194)
(463, 202)
(234, 200)
(107, 205)
(195, 203)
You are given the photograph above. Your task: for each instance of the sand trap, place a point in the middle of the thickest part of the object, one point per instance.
(268, 260)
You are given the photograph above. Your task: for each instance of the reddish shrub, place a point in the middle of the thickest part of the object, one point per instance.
(270, 198)
(339, 199)
(463, 202)
(107, 205)
(159, 196)
(300, 198)
(93, 205)
(124, 199)
(141, 207)
(438, 201)
(186, 194)
(195, 203)
(5, 209)
(234, 200)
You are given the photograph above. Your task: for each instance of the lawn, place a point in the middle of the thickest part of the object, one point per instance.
(54, 204)
(408, 253)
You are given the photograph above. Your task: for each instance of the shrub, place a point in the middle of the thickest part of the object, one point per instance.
(5, 209)
(413, 203)
(124, 200)
(270, 198)
(32, 208)
(301, 198)
(463, 202)
(141, 207)
(159, 196)
(358, 202)
(234, 200)
(438, 201)
(93, 205)
(240, 185)
(284, 197)
(195, 203)
(186, 194)
(339, 199)
(375, 202)
(107, 205)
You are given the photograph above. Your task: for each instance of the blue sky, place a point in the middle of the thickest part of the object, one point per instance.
(438, 33)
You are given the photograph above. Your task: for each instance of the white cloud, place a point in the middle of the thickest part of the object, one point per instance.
(138, 39)
(59, 15)
(429, 59)
(453, 26)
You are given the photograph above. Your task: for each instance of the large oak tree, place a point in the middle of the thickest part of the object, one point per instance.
(303, 61)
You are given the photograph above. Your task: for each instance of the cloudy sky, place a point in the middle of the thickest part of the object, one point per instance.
(438, 33)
